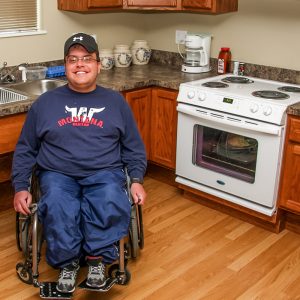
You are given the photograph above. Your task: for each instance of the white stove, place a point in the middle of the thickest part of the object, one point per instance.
(250, 97)
(230, 138)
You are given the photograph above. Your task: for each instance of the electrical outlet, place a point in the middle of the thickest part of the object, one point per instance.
(180, 36)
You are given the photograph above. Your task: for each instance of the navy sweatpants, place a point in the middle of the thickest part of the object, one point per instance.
(87, 215)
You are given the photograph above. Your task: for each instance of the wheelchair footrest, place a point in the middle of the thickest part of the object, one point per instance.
(48, 291)
(108, 285)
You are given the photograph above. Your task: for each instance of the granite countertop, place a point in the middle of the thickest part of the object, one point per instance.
(134, 77)
(124, 79)
(294, 109)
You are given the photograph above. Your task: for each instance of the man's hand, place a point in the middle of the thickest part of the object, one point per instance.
(138, 193)
(22, 201)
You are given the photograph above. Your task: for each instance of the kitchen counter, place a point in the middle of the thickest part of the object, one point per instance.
(124, 79)
(294, 109)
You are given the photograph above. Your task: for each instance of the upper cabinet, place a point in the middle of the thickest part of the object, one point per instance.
(201, 6)
(151, 4)
(89, 5)
(210, 6)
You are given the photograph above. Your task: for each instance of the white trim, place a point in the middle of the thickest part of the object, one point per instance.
(12, 34)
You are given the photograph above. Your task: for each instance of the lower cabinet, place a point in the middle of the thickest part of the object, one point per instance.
(10, 130)
(140, 103)
(155, 113)
(163, 127)
(289, 192)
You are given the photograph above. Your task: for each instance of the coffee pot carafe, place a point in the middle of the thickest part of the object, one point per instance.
(197, 53)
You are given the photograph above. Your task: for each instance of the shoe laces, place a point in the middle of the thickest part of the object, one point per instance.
(98, 270)
(67, 274)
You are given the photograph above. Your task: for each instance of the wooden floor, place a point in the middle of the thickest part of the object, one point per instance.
(191, 252)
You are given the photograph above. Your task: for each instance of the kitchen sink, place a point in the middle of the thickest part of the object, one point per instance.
(38, 87)
(8, 96)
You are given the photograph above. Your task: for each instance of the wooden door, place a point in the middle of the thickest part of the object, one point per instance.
(163, 127)
(289, 195)
(11, 127)
(104, 3)
(210, 6)
(140, 103)
(204, 4)
(152, 3)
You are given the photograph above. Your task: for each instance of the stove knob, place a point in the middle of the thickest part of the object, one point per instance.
(191, 94)
(254, 107)
(267, 110)
(201, 96)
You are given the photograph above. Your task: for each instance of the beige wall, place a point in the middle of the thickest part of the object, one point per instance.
(264, 32)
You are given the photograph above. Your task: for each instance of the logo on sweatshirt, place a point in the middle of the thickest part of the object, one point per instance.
(81, 117)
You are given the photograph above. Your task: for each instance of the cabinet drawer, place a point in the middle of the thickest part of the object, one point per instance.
(203, 4)
(152, 3)
(294, 132)
(10, 129)
(104, 3)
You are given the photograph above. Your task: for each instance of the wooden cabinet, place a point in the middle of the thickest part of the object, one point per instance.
(289, 192)
(140, 103)
(151, 4)
(10, 130)
(210, 6)
(201, 6)
(155, 113)
(163, 127)
(89, 5)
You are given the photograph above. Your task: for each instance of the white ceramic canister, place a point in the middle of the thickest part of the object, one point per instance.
(122, 56)
(107, 59)
(141, 52)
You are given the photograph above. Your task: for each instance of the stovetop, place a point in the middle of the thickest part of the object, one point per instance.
(249, 97)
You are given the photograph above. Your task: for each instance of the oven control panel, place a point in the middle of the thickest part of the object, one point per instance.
(238, 105)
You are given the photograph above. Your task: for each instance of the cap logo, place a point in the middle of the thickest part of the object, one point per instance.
(80, 38)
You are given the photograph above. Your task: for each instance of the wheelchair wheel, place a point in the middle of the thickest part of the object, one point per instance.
(23, 233)
(136, 231)
(24, 273)
(123, 278)
(133, 233)
(141, 228)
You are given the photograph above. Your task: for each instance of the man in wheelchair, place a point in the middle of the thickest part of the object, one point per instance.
(80, 137)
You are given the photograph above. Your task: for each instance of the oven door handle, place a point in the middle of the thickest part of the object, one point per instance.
(221, 118)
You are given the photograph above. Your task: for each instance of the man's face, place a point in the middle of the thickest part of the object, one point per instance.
(81, 73)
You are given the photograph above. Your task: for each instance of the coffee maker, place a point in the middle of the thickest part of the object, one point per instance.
(197, 53)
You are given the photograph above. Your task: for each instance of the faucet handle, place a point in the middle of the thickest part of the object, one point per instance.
(23, 69)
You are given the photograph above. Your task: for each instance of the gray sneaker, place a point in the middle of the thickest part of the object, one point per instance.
(96, 275)
(67, 278)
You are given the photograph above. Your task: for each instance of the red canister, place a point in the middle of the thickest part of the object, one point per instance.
(224, 60)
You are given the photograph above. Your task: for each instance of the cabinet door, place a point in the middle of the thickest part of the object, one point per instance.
(163, 127)
(11, 127)
(204, 4)
(10, 130)
(104, 3)
(290, 187)
(151, 3)
(89, 5)
(140, 103)
(210, 6)
(289, 192)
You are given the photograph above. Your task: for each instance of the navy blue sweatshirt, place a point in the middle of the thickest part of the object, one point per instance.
(78, 134)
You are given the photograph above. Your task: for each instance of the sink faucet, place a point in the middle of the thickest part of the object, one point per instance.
(6, 76)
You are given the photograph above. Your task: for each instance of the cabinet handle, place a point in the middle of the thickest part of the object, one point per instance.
(296, 149)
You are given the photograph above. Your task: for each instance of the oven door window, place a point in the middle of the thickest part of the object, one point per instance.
(225, 152)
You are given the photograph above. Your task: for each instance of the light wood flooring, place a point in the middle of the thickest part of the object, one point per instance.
(191, 252)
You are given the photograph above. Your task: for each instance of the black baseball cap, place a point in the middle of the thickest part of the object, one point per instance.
(83, 39)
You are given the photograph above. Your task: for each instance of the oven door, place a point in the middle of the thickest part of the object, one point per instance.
(231, 157)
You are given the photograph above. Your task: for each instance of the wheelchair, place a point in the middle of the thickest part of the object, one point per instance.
(29, 237)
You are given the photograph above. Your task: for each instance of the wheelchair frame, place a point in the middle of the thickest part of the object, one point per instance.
(29, 239)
